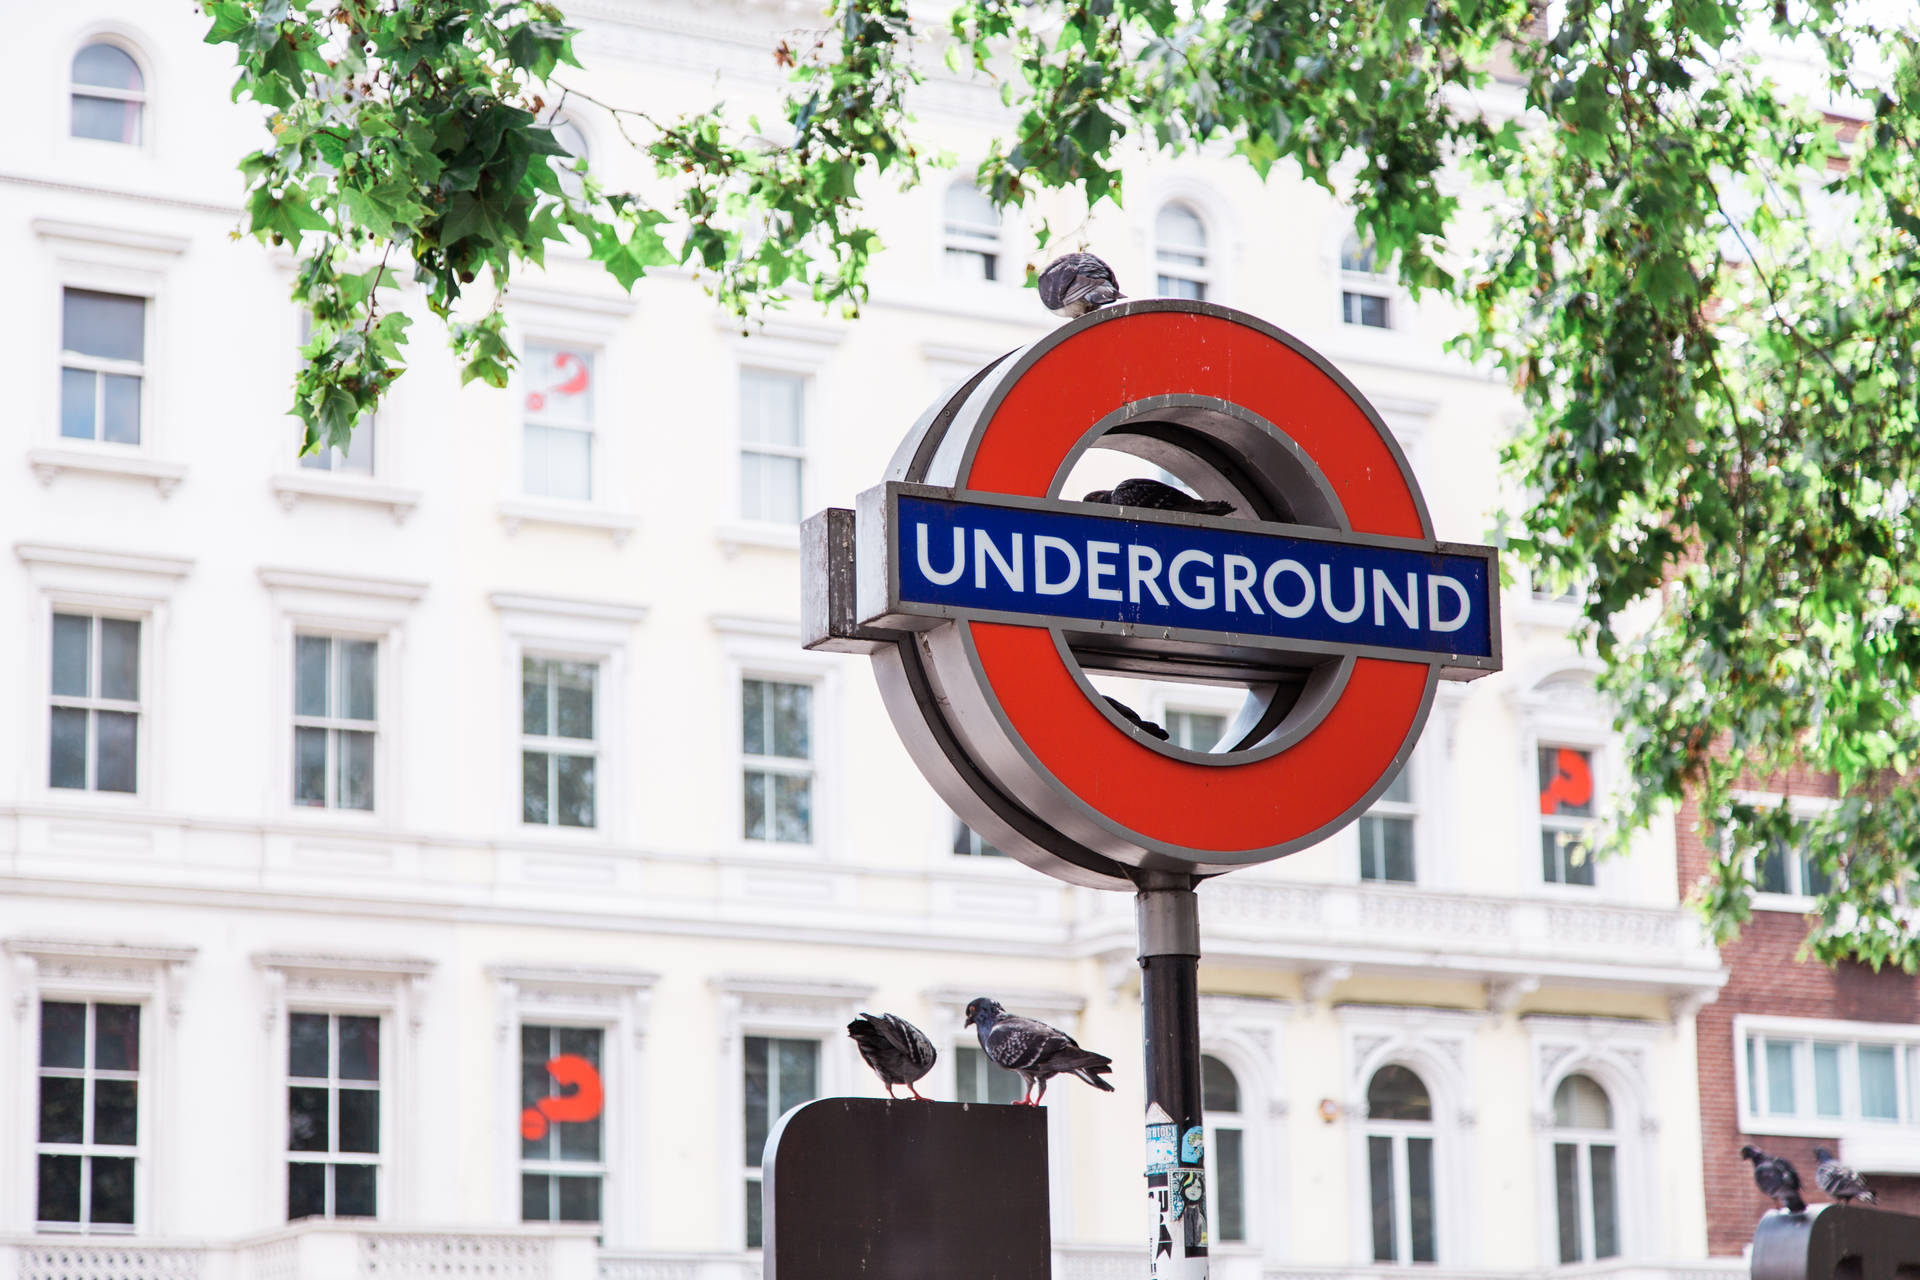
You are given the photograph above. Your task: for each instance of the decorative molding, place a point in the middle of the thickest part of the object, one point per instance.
(746, 625)
(289, 487)
(617, 525)
(774, 537)
(1046, 1004)
(49, 464)
(342, 584)
(1318, 984)
(1505, 994)
(390, 967)
(119, 237)
(142, 197)
(785, 330)
(39, 553)
(50, 949)
(564, 300)
(568, 606)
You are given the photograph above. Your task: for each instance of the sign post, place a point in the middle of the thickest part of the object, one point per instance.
(985, 596)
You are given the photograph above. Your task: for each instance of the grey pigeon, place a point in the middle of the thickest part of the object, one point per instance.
(1139, 721)
(1839, 1180)
(1776, 1179)
(898, 1051)
(1075, 283)
(1155, 496)
(1033, 1050)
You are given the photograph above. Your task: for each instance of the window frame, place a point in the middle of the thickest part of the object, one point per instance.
(802, 453)
(597, 466)
(334, 725)
(1408, 811)
(779, 766)
(1238, 1120)
(1803, 1034)
(94, 702)
(1795, 901)
(1366, 284)
(102, 366)
(1568, 823)
(1206, 273)
(146, 97)
(137, 1151)
(972, 239)
(603, 1168)
(1397, 1132)
(332, 1158)
(1583, 1141)
(552, 745)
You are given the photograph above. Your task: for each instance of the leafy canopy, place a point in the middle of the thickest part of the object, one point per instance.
(1706, 292)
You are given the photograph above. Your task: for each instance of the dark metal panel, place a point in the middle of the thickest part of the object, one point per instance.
(1836, 1242)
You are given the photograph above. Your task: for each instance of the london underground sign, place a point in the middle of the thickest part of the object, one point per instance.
(985, 595)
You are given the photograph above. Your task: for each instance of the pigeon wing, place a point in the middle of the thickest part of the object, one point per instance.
(1018, 1044)
(910, 1041)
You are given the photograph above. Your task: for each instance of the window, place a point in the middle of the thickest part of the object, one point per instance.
(1180, 253)
(89, 1133)
(109, 94)
(1821, 1079)
(773, 440)
(561, 1169)
(333, 1115)
(103, 352)
(356, 457)
(559, 754)
(1195, 730)
(1790, 870)
(1585, 1171)
(94, 738)
(972, 234)
(1386, 834)
(1566, 813)
(976, 1079)
(967, 843)
(1364, 296)
(1226, 1156)
(1399, 1134)
(779, 1076)
(557, 457)
(776, 740)
(335, 716)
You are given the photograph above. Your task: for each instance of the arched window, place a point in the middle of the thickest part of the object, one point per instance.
(1226, 1149)
(1585, 1171)
(1180, 253)
(972, 234)
(1399, 1133)
(1364, 292)
(109, 94)
(568, 134)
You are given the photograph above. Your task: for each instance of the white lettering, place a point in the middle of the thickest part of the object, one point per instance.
(1098, 568)
(959, 558)
(984, 550)
(1043, 543)
(1408, 608)
(1240, 574)
(1299, 571)
(1435, 581)
(1204, 600)
(1359, 594)
(1143, 566)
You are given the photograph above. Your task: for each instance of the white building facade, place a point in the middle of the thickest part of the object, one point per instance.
(340, 795)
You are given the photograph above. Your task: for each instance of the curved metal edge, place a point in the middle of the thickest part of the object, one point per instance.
(926, 433)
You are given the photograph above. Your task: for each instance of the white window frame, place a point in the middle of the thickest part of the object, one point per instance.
(1806, 1122)
(97, 702)
(803, 349)
(765, 649)
(594, 430)
(1238, 1121)
(335, 725)
(1397, 1132)
(809, 400)
(1248, 1034)
(551, 746)
(601, 1169)
(87, 1151)
(1795, 901)
(973, 239)
(1207, 273)
(773, 766)
(1553, 719)
(102, 366)
(133, 48)
(335, 1086)
(1583, 1141)
(1372, 284)
(1408, 811)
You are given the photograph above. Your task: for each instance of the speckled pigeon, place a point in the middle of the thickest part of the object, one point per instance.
(1776, 1178)
(1075, 283)
(1155, 496)
(1839, 1180)
(1033, 1050)
(898, 1051)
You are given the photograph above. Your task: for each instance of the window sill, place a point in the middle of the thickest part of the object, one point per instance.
(1878, 1135)
(290, 487)
(616, 525)
(48, 464)
(1790, 903)
(777, 537)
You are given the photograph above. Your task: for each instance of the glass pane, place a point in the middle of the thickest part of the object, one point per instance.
(573, 786)
(1566, 782)
(318, 460)
(359, 1048)
(535, 1083)
(112, 1189)
(559, 383)
(72, 655)
(357, 667)
(772, 408)
(753, 1212)
(1814, 878)
(778, 486)
(573, 684)
(59, 1199)
(756, 806)
(581, 1042)
(579, 1199)
(307, 1118)
(1606, 1213)
(1879, 1099)
(106, 66)
(967, 1064)
(753, 717)
(1180, 234)
(310, 766)
(970, 264)
(533, 787)
(116, 767)
(1380, 1170)
(1195, 730)
(534, 1206)
(1229, 1196)
(1400, 790)
(1580, 1103)
(1780, 1078)
(306, 1191)
(559, 463)
(792, 712)
(108, 325)
(534, 673)
(579, 1139)
(1420, 1197)
(1003, 1087)
(356, 769)
(67, 748)
(1219, 1091)
(77, 389)
(799, 1071)
(357, 457)
(360, 1120)
(1753, 1076)
(1770, 870)
(1182, 287)
(1826, 1079)
(1357, 254)
(1566, 1195)
(108, 119)
(63, 1034)
(116, 1037)
(755, 1084)
(62, 1109)
(792, 809)
(116, 1107)
(1396, 1093)
(353, 1191)
(120, 659)
(969, 210)
(310, 658)
(120, 408)
(307, 1046)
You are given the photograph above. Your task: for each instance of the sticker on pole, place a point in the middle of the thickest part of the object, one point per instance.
(1292, 560)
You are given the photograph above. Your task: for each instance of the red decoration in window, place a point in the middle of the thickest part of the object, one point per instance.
(1572, 781)
(572, 386)
(582, 1104)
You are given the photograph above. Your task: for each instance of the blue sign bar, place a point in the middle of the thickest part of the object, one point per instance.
(1071, 563)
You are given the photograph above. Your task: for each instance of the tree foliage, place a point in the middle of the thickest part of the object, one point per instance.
(1703, 288)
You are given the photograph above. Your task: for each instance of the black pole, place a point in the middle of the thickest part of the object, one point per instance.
(1170, 1021)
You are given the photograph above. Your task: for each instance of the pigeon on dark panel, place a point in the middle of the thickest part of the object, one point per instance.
(898, 1051)
(1839, 1180)
(1033, 1050)
(1776, 1178)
